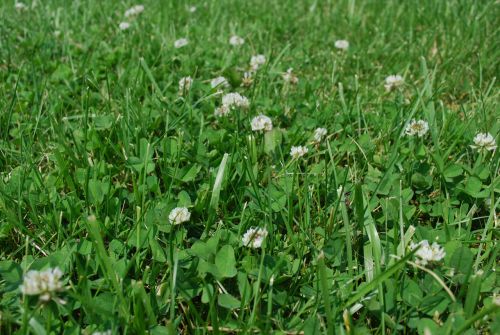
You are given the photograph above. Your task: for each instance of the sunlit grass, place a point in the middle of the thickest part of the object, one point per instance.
(275, 167)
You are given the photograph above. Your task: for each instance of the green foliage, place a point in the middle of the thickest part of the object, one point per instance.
(98, 146)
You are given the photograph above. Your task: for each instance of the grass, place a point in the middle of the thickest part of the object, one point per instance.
(97, 146)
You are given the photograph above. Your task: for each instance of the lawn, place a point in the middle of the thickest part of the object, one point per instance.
(249, 167)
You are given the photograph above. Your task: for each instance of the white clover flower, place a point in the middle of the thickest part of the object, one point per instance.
(20, 6)
(247, 79)
(192, 9)
(185, 84)
(417, 127)
(124, 25)
(393, 81)
(135, 10)
(342, 44)
(222, 111)
(427, 253)
(299, 151)
(289, 77)
(262, 122)
(179, 215)
(181, 42)
(231, 100)
(236, 40)
(257, 61)
(484, 142)
(254, 237)
(43, 283)
(319, 133)
(219, 81)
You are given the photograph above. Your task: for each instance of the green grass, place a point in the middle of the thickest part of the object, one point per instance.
(97, 147)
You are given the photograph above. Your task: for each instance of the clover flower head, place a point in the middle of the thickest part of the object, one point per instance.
(417, 127)
(484, 142)
(179, 215)
(257, 61)
(319, 133)
(236, 40)
(342, 44)
(185, 84)
(235, 100)
(254, 237)
(262, 122)
(393, 81)
(134, 10)
(222, 111)
(298, 151)
(219, 82)
(181, 42)
(247, 79)
(124, 25)
(42, 283)
(20, 6)
(427, 253)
